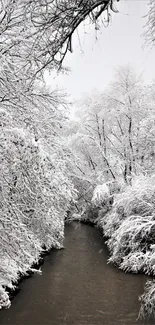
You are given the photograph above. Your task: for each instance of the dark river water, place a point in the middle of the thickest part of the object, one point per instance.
(78, 287)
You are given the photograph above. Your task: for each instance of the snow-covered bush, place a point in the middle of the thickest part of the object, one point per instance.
(148, 300)
(130, 230)
(108, 221)
(101, 195)
(100, 204)
(35, 192)
(131, 244)
(4, 298)
(138, 199)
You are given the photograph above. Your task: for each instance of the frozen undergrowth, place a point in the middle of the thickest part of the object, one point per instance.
(130, 231)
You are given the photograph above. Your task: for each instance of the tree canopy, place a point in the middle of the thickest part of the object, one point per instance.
(35, 35)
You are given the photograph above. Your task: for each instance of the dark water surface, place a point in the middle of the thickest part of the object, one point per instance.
(78, 287)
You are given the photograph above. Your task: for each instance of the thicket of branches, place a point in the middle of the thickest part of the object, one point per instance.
(37, 34)
(113, 132)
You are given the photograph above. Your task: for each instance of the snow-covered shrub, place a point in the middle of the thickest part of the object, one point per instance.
(20, 247)
(101, 203)
(130, 226)
(109, 221)
(4, 298)
(130, 229)
(35, 193)
(148, 300)
(138, 199)
(101, 195)
(135, 235)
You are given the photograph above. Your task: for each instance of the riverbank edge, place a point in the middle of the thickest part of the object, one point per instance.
(34, 269)
(9, 293)
(149, 289)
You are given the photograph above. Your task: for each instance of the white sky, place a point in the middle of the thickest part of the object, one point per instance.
(93, 61)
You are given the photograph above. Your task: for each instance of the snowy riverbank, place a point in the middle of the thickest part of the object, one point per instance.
(129, 226)
(35, 195)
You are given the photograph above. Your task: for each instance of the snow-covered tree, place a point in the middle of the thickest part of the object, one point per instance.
(117, 127)
(37, 34)
(35, 186)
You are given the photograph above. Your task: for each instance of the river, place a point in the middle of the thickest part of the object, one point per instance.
(78, 287)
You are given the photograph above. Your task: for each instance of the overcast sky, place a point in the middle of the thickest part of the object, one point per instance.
(95, 55)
